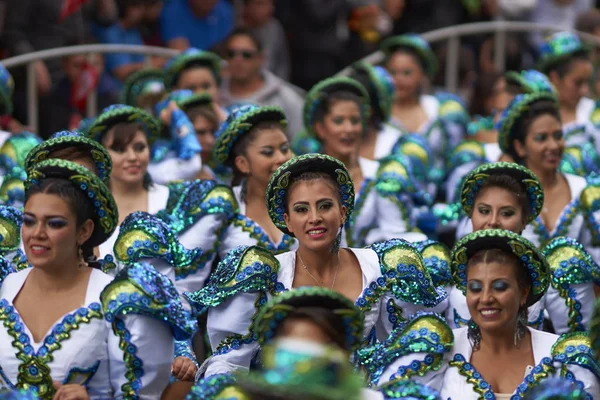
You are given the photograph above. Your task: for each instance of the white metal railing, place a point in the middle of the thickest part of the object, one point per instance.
(29, 61)
(452, 35)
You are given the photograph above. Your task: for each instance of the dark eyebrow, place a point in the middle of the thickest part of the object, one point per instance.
(304, 203)
(325, 199)
(46, 217)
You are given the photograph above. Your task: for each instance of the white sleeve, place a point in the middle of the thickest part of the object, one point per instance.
(173, 169)
(149, 349)
(589, 380)
(559, 310)
(232, 317)
(394, 221)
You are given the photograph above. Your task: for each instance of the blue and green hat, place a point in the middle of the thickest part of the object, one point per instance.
(106, 213)
(146, 83)
(272, 315)
(530, 81)
(7, 88)
(121, 113)
(68, 139)
(319, 93)
(186, 99)
(559, 48)
(381, 87)
(284, 175)
(530, 257)
(15, 151)
(190, 58)
(239, 122)
(517, 108)
(475, 180)
(417, 44)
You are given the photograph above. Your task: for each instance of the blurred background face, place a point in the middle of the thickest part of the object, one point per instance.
(153, 11)
(407, 73)
(135, 14)
(75, 65)
(575, 84)
(199, 80)
(259, 11)
(245, 61)
(202, 7)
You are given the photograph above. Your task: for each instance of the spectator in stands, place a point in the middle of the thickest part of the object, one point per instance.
(151, 25)
(589, 22)
(258, 18)
(249, 82)
(196, 23)
(125, 31)
(32, 25)
(82, 74)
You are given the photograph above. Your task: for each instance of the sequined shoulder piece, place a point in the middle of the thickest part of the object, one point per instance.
(589, 201)
(452, 108)
(245, 269)
(400, 389)
(6, 268)
(190, 201)
(466, 152)
(143, 235)
(216, 387)
(11, 220)
(575, 348)
(570, 263)
(140, 289)
(395, 178)
(424, 333)
(404, 274)
(160, 149)
(437, 261)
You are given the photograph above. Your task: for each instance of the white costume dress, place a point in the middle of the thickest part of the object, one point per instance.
(119, 344)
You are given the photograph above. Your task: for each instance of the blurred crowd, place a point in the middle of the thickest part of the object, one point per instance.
(298, 43)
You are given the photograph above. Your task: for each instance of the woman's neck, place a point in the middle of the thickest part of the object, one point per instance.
(349, 160)
(501, 342)
(568, 113)
(57, 279)
(320, 263)
(411, 101)
(121, 189)
(548, 179)
(255, 192)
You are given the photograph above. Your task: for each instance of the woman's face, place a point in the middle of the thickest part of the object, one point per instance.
(497, 208)
(205, 132)
(50, 234)
(341, 129)
(544, 144)
(267, 152)
(314, 214)
(199, 80)
(131, 162)
(499, 98)
(407, 73)
(494, 296)
(575, 84)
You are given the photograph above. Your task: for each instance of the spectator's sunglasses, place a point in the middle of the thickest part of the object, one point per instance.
(245, 54)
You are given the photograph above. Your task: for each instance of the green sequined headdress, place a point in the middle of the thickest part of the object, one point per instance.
(319, 93)
(559, 48)
(120, 113)
(296, 369)
(147, 83)
(514, 112)
(382, 86)
(530, 81)
(417, 44)
(186, 99)
(67, 139)
(14, 152)
(285, 174)
(190, 58)
(531, 259)
(106, 212)
(271, 315)
(239, 122)
(473, 182)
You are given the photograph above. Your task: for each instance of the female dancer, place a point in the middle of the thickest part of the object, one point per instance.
(501, 274)
(68, 332)
(310, 197)
(336, 112)
(509, 196)
(144, 89)
(195, 70)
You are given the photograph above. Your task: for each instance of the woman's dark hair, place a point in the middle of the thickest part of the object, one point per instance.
(330, 323)
(535, 110)
(325, 105)
(377, 118)
(563, 68)
(411, 52)
(74, 153)
(205, 111)
(509, 183)
(122, 135)
(502, 257)
(483, 90)
(78, 203)
(312, 176)
(240, 147)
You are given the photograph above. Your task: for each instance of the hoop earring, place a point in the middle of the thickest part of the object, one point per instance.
(82, 262)
(474, 334)
(521, 327)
